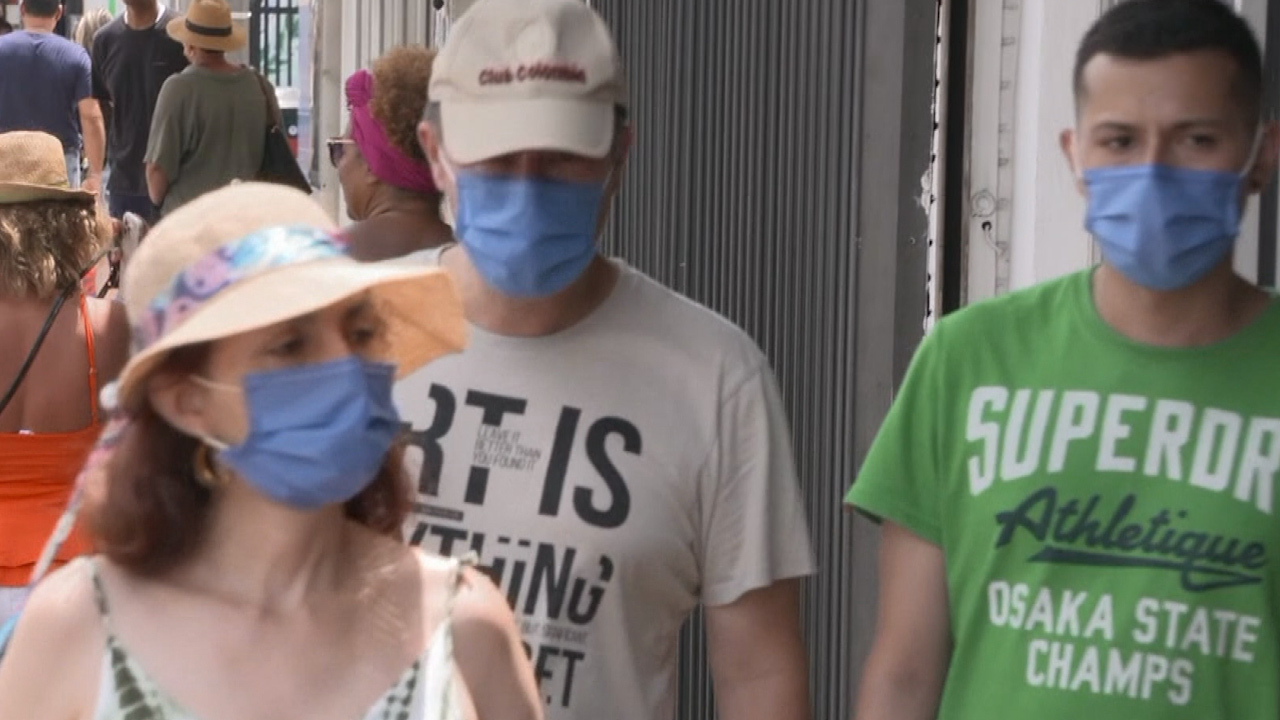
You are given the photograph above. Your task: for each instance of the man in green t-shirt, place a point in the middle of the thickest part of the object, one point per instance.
(1077, 481)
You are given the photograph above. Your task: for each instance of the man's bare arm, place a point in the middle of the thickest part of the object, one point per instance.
(94, 129)
(758, 658)
(908, 665)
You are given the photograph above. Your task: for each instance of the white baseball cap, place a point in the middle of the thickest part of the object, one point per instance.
(527, 75)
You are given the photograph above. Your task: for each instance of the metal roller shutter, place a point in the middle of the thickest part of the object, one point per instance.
(770, 137)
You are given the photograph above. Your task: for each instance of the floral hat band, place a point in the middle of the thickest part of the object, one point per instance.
(252, 255)
(227, 265)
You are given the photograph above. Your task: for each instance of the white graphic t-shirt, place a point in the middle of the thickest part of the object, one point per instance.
(611, 477)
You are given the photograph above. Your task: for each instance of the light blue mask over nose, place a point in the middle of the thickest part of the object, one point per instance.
(1165, 227)
(528, 236)
(318, 434)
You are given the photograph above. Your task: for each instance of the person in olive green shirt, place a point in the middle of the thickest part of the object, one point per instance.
(1077, 480)
(210, 122)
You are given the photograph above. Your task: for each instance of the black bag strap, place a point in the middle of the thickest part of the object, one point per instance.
(67, 292)
(273, 121)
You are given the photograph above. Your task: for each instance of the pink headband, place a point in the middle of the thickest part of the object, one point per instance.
(387, 162)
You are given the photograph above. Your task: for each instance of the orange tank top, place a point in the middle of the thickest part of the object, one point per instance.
(37, 475)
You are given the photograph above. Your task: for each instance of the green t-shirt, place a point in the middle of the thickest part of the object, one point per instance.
(1107, 511)
(209, 128)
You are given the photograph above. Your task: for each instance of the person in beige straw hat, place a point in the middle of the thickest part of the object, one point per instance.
(69, 344)
(132, 57)
(247, 500)
(210, 119)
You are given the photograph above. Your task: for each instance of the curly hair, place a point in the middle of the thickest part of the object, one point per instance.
(46, 245)
(400, 93)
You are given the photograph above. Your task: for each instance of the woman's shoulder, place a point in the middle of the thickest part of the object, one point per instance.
(463, 590)
(110, 334)
(443, 585)
(488, 650)
(65, 598)
(474, 604)
(56, 647)
(64, 605)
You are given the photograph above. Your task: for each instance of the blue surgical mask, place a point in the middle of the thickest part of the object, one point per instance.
(1165, 227)
(318, 434)
(528, 237)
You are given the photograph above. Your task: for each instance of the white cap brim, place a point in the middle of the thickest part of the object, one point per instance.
(480, 130)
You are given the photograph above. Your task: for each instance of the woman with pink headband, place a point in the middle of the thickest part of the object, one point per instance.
(385, 179)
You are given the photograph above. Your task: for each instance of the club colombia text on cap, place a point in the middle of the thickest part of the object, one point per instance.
(527, 75)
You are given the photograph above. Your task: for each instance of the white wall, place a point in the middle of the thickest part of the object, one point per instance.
(1043, 234)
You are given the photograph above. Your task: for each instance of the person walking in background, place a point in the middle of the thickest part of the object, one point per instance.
(46, 85)
(618, 454)
(88, 26)
(210, 119)
(133, 55)
(49, 233)
(385, 178)
(251, 498)
(1077, 481)
(86, 30)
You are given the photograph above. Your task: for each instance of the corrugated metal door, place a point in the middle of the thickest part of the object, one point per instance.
(744, 191)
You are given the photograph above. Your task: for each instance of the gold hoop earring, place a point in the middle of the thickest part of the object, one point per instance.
(207, 474)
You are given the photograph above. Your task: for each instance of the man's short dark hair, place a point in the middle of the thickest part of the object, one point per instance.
(42, 8)
(1153, 29)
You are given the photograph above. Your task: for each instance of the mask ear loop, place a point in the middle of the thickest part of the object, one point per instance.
(209, 440)
(1077, 166)
(1254, 152)
(214, 384)
(447, 166)
(451, 205)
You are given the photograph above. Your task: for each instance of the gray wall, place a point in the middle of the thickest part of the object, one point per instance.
(775, 178)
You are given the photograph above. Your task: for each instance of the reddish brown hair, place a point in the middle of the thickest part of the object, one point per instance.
(153, 511)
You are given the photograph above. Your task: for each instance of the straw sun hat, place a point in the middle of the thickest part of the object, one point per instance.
(34, 169)
(253, 254)
(208, 25)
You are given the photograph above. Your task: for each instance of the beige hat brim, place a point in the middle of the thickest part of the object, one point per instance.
(419, 303)
(479, 130)
(239, 37)
(12, 193)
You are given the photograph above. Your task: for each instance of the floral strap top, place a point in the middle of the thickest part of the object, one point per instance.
(425, 691)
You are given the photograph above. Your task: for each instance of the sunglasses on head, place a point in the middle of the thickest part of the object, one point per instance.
(338, 148)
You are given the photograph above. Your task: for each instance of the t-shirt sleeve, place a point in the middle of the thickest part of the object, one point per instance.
(755, 532)
(900, 479)
(83, 88)
(164, 144)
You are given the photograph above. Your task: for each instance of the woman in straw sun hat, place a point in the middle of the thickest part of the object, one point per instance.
(247, 501)
(210, 119)
(49, 234)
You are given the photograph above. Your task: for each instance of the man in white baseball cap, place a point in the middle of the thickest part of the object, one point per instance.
(616, 454)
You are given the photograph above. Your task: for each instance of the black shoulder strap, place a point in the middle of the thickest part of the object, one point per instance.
(35, 349)
(273, 121)
(44, 332)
